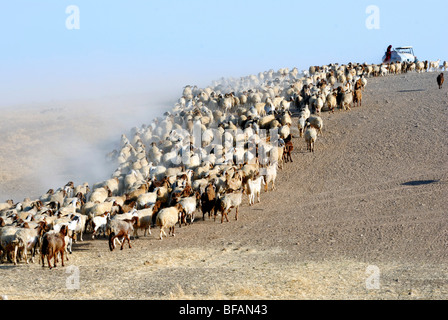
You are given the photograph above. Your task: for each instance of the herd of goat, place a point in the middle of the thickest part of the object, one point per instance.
(216, 145)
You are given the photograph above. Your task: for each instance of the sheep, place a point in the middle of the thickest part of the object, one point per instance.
(144, 221)
(346, 100)
(200, 172)
(270, 175)
(285, 105)
(100, 194)
(121, 230)
(420, 66)
(363, 82)
(113, 185)
(384, 70)
(301, 124)
(167, 218)
(70, 209)
(227, 202)
(52, 244)
(254, 189)
(146, 199)
(357, 97)
(310, 137)
(233, 183)
(78, 225)
(226, 103)
(157, 173)
(92, 209)
(392, 68)
(284, 131)
(266, 121)
(276, 153)
(58, 197)
(9, 243)
(137, 191)
(199, 185)
(190, 205)
(30, 239)
(7, 205)
(99, 224)
(317, 123)
(331, 101)
(130, 180)
(434, 65)
(154, 154)
(317, 104)
(71, 225)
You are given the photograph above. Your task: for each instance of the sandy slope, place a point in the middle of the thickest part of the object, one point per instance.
(373, 194)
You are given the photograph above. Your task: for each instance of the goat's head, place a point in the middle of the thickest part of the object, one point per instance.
(64, 230)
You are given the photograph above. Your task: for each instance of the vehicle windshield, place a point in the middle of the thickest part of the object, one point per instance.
(402, 50)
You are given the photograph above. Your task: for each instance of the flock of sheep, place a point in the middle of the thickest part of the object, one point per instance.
(215, 147)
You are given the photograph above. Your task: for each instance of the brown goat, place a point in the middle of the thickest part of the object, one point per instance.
(155, 210)
(289, 147)
(121, 230)
(357, 97)
(440, 80)
(208, 200)
(52, 244)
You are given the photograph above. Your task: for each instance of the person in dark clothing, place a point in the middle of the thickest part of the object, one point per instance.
(388, 54)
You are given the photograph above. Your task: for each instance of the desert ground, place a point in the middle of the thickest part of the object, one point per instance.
(368, 207)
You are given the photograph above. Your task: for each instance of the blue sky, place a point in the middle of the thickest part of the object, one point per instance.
(127, 47)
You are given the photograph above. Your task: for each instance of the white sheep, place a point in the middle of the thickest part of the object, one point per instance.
(331, 101)
(71, 208)
(113, 184)
(190, 205)
(301, 124)
(434, 65)
(270, 175)
(132, 180)
(146, 199)
(100, 194)
(420, 66)
(316, 122)
(154, 154)
(7, 205)
(99, 224)
(9, 243)
(144, 221)
(346, 101)
(310, 138)
(157, 172)
(317, 104)
(168, 218)
(254, 189)
(229, 201)
(29, 241)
